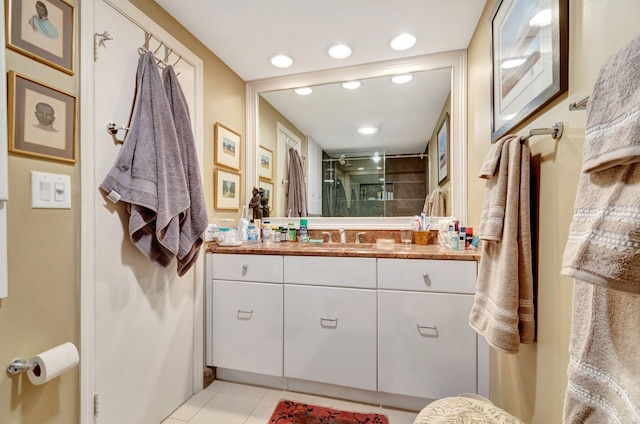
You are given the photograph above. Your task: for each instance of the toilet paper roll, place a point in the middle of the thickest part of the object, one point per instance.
(53, 362)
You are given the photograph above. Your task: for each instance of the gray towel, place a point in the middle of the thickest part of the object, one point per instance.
(297, 197)
(195, 220)
(604, 237)
(613, 130)
(148, 173)
(503, 310)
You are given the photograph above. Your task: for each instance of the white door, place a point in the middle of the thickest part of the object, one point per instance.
(144, 317)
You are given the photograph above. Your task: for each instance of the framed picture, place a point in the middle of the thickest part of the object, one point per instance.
(267, 186)
(529, 52)
(227, 147)
(42, 120)
(266, 163)
(227, 190)
(443, 149)
(42, 30)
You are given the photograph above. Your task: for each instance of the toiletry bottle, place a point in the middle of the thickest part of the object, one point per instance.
(252, 234)
(455, 239)
(468, 238)
(292, 232)
(304, 236)
(275, 234)
(266, 233)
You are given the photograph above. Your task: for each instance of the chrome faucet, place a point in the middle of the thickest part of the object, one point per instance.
(343, 235)
(328, 238)
(358, 237)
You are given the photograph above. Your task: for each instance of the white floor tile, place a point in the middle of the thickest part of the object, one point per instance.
(188, 410)
(232, 404)
(265, 408)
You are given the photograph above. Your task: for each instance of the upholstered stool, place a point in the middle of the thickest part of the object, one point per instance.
(463, 409)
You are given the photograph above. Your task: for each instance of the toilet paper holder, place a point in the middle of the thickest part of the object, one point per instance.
(18, 366)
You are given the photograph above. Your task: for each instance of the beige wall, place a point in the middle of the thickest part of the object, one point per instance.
(531, 384)
(43, 307)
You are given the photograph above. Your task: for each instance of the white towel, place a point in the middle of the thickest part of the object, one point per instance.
(503, 310)
(435, 203)
(195, 221)
(148, 172)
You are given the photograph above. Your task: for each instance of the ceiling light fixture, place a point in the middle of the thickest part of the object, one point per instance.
(303, 91)
(403, 42)
(375, 157)
(281, 61)
(367, 130)
(402, 79)
(361, 168)
(340, 51)
(542, 18)
(351, 85)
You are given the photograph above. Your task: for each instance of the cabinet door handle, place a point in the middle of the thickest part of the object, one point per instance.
(329, 322)
(426, 279)
(244, 315)
(244, 270)
(428, 330)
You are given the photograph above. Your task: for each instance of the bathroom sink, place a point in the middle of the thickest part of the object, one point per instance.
(338, 246)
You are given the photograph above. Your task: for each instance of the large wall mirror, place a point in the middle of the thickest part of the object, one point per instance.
(370, 173)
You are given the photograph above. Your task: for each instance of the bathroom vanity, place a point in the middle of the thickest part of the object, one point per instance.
(350, 320)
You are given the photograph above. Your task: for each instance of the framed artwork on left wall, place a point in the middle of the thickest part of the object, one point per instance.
(227, 190)
(42, 120)
(42, 30)
(227, 147)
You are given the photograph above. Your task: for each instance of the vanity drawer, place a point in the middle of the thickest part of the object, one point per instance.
(257, 268)
(427, 275)
(426, 347)
(330, 271)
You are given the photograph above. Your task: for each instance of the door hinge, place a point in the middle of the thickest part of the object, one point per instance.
(96, 404)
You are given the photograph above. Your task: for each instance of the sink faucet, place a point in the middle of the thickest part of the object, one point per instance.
(358, 236)
(328, 238)
(343, 235)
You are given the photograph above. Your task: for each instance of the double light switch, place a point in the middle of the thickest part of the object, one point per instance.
(50, 191)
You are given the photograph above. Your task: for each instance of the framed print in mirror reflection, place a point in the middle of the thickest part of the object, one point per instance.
(266, 163)
(442, 139)
(227, 147)
(529, 52)
(267, 186)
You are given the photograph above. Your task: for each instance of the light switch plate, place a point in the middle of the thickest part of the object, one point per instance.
(50, 191)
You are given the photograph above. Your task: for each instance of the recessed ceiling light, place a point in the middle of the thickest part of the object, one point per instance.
(378, 168)
(402, 79)
(281, 61)
(351, 85)
(512, 63)
(361, 169)
(303, 91)
(403, 42)
(367, 129)
(340, 51)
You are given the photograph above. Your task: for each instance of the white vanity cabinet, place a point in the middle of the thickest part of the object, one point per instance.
(426, 347)
(330, 320)
(245, 313)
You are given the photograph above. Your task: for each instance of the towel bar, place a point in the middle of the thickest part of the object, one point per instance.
(555, 131)
(580, 105)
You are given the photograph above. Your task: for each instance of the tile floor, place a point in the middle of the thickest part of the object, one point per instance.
(233, 403)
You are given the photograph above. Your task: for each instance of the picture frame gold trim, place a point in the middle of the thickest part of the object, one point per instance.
(269, 188)
(50, 40)
(266, 163)
(42, 119)
(227, 147)
(226, 190)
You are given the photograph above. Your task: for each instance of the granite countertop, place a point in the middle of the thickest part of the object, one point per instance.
(361, 250)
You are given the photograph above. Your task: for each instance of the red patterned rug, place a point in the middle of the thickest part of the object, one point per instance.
(288, 412)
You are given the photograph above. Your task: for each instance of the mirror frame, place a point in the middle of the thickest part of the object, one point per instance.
(456, 60)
